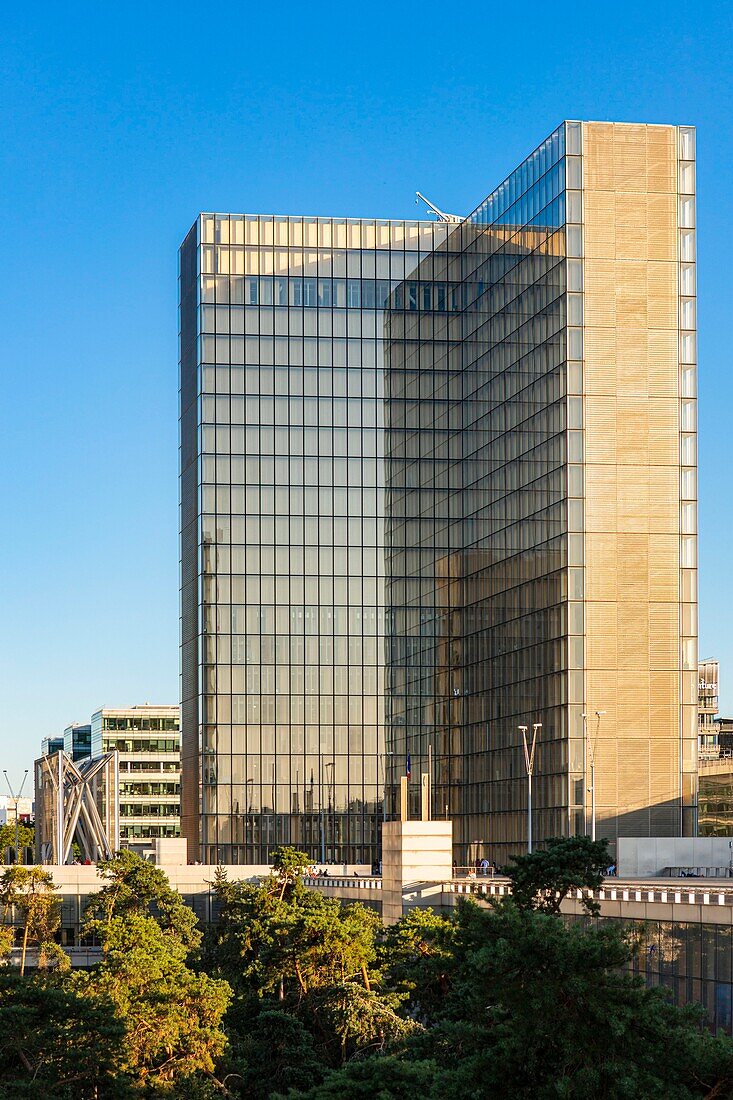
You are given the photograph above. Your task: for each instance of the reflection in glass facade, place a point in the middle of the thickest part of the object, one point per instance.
(693, 960)
(438, 481)
(477, 505)
(282, 495)
(716, 798)
(541, 485)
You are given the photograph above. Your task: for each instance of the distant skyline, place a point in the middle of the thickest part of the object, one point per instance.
(118, 125)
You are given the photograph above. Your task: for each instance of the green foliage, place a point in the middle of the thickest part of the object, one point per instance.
(298, 995)
(172, 1015)
(537, 1008)
(310, 956)
(382, 1078)
(356, 1021)
(289, 865)
(136, 887)
(543, 879)
(56, 1045)
(30, 891)
(51, 956)
(20, 885)
(7, 938)
(26, 838)
(266, 944)
(326, 942)
(275, 1055)
(506, 1001)
(416, 954)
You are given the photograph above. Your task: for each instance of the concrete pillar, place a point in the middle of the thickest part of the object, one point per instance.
(413, 852)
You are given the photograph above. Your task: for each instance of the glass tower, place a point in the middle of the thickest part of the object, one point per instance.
(541, 499)
(477, 523)
(438, 483)
(282, 498)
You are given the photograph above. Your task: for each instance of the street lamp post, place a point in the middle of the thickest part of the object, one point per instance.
(529, 754)
(331, 817)
(591, 750)
(589, 761)
(383, 757)
(599, 713)
(16, 799)
(320, 810)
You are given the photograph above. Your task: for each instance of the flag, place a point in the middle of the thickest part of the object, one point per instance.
(408, 767)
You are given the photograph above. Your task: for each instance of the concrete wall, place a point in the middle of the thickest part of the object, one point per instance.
(643, 856)
(631, 386)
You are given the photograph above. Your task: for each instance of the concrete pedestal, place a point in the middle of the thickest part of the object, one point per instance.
(413, 852)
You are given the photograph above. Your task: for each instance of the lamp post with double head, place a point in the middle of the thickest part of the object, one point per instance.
(16, 799)
(529, 756)
(383, 757)
(599, 715)
(591, 751)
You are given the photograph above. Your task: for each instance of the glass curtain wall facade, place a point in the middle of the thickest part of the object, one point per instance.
(694, 961)
(78, 741)
(282, 544)
(477, 514)
(438, 483)
(541, 498)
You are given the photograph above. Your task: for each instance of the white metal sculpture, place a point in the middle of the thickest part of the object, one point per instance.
(77, 801)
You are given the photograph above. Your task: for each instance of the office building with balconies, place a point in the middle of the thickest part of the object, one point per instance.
(147, 741)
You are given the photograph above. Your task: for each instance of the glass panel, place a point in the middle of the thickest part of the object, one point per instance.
(573, 137)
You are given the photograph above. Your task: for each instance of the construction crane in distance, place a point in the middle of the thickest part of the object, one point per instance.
(440, 214)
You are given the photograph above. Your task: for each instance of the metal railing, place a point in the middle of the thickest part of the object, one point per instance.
(632, 891)
(341, 882)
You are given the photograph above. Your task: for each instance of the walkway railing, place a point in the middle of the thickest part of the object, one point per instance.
(633, 891)
(341, 882)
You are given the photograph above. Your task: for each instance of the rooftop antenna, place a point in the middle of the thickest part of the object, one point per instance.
(440, 214)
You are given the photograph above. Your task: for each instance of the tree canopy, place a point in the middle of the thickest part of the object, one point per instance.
(292, 994)
(31, 892)
(137, 887)
(172, 1015)
(56, 1044)
(26, 839)
(543, 879)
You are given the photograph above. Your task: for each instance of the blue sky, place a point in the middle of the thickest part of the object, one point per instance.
(118, 123)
